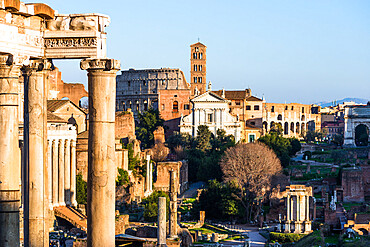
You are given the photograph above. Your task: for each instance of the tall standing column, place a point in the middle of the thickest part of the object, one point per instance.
(67, 172)
(61, 201)
(55, 151)
(173, 204)
(35, 131)
(50, 173)
(73, 173)
(101, 151)
(9, 156)
(147, 174)
(161, 230)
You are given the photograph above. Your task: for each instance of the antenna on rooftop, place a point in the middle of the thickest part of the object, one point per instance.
(198, 39)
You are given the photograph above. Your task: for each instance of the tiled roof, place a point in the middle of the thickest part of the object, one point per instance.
(54, 118)
(253, 98)
(54, 105)
(240, 94)
(83, 135)
(198, 44)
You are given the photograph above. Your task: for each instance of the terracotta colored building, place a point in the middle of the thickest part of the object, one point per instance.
(198, 68)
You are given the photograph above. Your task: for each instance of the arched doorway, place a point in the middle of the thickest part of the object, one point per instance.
(361, 135)
(297, 128)
(286, 128)
(292, 127)
(264, 126)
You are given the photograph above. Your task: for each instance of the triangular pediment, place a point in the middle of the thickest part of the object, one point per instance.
(209, 97)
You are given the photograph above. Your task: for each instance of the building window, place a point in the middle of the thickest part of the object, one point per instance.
(248, 107)
(194, 55)
(302, 109)
(286, 108)
(252, 137)
(195, 79)
(124, 106)
(256, 107)
(237, 102)
(145, 105)
(200, 67)
(210, 117)
(129, 83)
(292, 108)
(196, 49)
(253, 123)
(200, 55)
(175, 106)
(200, 79)
(272, 109)
(175, 96)
(280, 117)
(186, 106)
(137, 106)
(195, 67)
(144, 82)
(130, 104)
(162, 107)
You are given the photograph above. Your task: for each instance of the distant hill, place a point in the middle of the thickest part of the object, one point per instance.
(356, 100)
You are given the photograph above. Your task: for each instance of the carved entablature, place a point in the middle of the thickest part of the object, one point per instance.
(76, 36)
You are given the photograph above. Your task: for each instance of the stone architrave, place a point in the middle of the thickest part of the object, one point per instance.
(101, 151)
(173, 204)
(9, 158)
(35, 136)
(161, 231)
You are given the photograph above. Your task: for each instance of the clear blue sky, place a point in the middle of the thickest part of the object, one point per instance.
(288, 51)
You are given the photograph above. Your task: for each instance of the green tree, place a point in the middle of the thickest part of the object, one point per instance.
(295, 146)
(203, 138)
(147, 124)
(338, 140)
(151, 205)
(281, 146)
(122, 178)
(177, 139)
(81, 190)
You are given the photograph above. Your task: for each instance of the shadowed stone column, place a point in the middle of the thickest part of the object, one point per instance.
(35, 132)
(161, 230)
(9, 156)
(173, 204)
(147, 174)
(67, 172)
(61, 201)
(101, 148)
(55, 172)
(50, 173)
(73, 173)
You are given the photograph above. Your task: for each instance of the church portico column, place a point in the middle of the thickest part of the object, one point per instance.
(9, 156)
(67, 172)
(61, 201)
(35, 133)
(101, 151)
(55, 172)
(73, 173)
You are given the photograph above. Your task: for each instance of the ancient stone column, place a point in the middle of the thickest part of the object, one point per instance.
(9, 153)
(67, 172)
(173, 204)
(73, 173)
(151, 176)
(61, 201)
(55, 151)
(101, 148)
(147, 173)
(161, 230)
(35, 133)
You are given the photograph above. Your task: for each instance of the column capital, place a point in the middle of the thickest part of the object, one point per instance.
(106, 64)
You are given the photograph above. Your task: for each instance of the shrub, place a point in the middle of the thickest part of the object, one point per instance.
(285, 237)
(122, 177)
(81, 190)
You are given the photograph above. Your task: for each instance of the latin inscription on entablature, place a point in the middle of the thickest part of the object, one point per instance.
(71, 42)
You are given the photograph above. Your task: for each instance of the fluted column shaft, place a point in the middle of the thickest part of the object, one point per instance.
(9, 153)
(73, 173)
(55, 151)
(173, 204)
(67, 172)
(101, 151)
(35, 131)
(61, 201)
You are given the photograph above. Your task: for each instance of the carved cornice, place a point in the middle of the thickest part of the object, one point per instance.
(71, 42)
(37, 65)
(105, 64)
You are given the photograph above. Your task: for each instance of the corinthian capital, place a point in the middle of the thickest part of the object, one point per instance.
(105, 64)
(37, 65)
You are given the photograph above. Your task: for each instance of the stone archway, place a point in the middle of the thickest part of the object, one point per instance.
(361, 135)
(286, 128)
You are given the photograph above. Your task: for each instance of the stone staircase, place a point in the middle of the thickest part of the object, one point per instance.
(72, 215)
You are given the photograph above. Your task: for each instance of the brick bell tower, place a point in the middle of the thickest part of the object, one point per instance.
(198, 69)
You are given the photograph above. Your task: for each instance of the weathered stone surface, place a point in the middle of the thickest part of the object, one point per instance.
(161, 235)
(101, 169)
